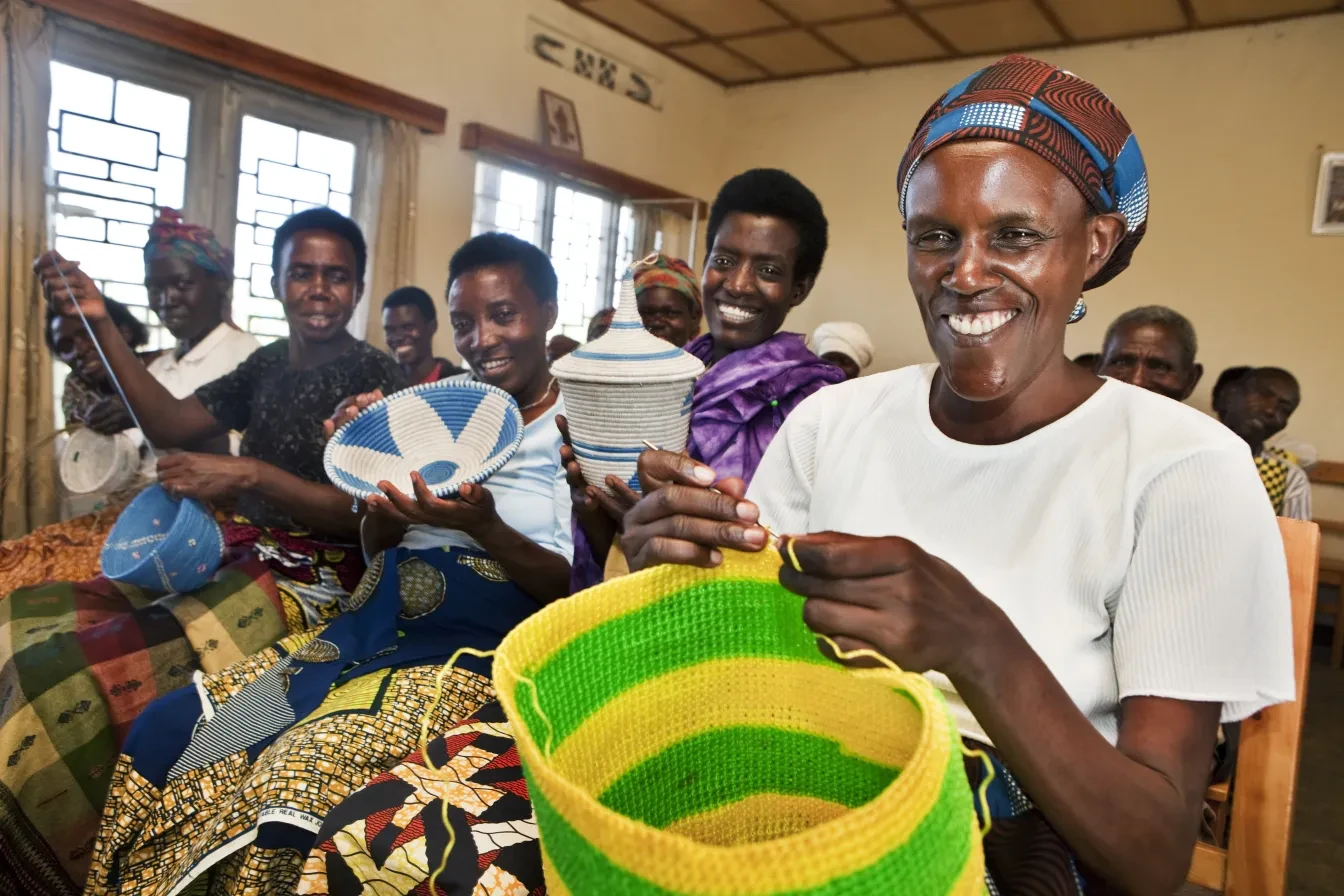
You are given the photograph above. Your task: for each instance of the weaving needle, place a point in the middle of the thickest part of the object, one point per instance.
(771, 535)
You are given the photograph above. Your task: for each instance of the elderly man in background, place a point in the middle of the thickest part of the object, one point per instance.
(1153, 348)
(844, 344)
(1255, 403)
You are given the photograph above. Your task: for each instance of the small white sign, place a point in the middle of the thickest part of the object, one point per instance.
(557, 48)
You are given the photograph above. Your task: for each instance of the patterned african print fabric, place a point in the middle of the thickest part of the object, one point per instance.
(78, 663)
(670, 273)
(169, 237)
(389, 837)
(312, 577)
(230, 780)
(1060, 117)
(1287, 484)
(68, 551)
(1274, 474)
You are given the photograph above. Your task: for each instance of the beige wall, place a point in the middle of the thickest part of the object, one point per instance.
(1231, 123)
(469, 57)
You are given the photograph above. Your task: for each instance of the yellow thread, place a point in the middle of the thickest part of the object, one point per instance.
(424, 749)
(798, 567)
(434, 702)
(982, 793)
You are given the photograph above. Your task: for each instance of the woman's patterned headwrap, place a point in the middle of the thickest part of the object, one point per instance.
(673, 273)
(1059, 116)
(169, 237)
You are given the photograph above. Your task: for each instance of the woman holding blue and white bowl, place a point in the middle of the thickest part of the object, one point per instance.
(444, 575)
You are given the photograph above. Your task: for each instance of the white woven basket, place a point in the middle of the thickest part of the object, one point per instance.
(93, 462)
(624, 388)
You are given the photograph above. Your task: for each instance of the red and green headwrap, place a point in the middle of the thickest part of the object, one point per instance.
(169, 237)
(672, 273)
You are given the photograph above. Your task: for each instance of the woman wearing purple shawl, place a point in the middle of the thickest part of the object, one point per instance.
(767, 236)
(765, 243)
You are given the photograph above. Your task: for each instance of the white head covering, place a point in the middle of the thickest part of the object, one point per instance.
(847, 338)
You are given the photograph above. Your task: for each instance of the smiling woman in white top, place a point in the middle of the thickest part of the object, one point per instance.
(1090, 572)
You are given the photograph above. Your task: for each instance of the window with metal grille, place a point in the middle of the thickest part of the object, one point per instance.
(133, 127)
(588, 235)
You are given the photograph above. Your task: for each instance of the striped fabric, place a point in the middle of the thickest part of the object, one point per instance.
(681, 733)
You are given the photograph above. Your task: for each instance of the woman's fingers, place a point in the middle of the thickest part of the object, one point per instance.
(690, 501)
(622, 493)
(661, 551)
(385, 509)
(403, 504)
(835, 555)
(705, 532)
(660, 468)
(616, 508)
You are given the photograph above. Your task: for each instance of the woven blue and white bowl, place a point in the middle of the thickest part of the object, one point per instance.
(161, 543)
(451, 432)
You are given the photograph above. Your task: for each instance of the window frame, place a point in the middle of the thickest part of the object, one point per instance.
(550, 180)
(219, 98)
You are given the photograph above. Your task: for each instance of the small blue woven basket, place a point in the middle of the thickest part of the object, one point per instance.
(162, 543)
(451, 432)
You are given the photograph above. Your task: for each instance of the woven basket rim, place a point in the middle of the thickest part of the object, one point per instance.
(190, 504)
(438, 491)
(935, 727)
(614, 380)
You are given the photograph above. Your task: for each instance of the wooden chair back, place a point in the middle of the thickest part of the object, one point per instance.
(1255, 862)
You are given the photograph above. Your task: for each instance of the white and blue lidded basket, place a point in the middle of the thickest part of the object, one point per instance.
(161, 543)
(452, 432)
(623, 388)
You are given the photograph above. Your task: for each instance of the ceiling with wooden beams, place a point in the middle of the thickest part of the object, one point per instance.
(749, 41)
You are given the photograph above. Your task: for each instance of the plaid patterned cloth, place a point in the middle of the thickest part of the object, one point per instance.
(78, 662)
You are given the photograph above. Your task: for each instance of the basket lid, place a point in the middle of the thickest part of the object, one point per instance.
(627, 353)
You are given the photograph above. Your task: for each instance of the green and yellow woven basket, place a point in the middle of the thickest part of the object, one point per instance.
(681, 734)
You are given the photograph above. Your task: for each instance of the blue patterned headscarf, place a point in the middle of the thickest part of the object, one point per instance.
(1057, 115)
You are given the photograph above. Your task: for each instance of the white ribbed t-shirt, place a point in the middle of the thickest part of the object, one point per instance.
(1130, 542)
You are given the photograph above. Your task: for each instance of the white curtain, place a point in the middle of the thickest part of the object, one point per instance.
(394, 236)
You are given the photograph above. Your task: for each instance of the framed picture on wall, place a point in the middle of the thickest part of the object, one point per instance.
(560, 123)
(1329, 217)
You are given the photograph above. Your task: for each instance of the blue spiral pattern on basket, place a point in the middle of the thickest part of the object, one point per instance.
(163, 544)
(452, 432)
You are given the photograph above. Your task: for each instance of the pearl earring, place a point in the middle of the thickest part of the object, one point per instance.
(1079, 311)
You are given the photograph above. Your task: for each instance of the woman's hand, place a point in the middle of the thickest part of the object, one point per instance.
(109, 416)
(593, 505)
(681, 520)
(49, 266)
(206, 477)
(889, 595)
(472, 511)
(347, 410)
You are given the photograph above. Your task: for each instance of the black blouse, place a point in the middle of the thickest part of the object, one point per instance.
(280, 411)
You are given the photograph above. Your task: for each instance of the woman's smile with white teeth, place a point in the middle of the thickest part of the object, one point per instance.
(736, 314)
(979, 324)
